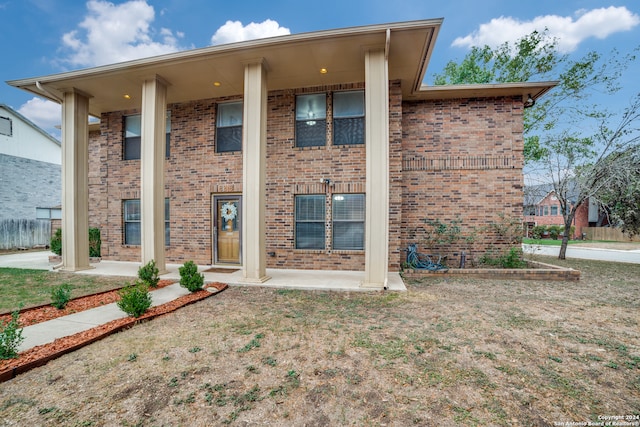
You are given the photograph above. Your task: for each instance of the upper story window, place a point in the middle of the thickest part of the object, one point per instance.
(6, 127)
(554, 210)
(229, 127)
(311, 120)
(133, 136)
(348, 118)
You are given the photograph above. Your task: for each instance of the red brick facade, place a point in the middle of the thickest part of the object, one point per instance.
(454, 159)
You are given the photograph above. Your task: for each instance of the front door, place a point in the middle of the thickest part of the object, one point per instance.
(226, 232)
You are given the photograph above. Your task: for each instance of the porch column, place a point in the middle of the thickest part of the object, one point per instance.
(152, 155)
(75, 181)
(377, 165)
(254, 148)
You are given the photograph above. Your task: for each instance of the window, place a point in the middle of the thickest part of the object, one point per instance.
(546, 211)
(554, 210)
(310, 222)
(348, 118)
(133, 136)
(131, 213)
(48, 213)
(229, 127)
(311, 120)
(6, 126)
(348, 221)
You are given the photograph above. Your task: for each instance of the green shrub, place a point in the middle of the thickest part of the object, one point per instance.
(190, 278)
(135, 299)
(510, 259)
(555, 230)
(10, 337)
(56, 242)
(149, 274)
(60, 296)
(94, 242)
(538, 231)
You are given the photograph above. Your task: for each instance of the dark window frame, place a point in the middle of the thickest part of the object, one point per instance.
(132, 145)
(306, 234)
(229, 131)
(130, 240)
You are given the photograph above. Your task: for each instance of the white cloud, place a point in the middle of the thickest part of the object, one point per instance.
(45, 114)
(113, 33)
(570, 31)
(234, 31)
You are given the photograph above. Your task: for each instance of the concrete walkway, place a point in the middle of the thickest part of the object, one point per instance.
(49, 331)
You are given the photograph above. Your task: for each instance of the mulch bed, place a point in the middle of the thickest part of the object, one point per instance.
(40, 355)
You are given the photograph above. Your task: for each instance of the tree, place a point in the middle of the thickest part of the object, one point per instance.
(568, 141)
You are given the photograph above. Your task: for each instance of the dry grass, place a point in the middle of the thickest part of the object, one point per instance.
(447, 352)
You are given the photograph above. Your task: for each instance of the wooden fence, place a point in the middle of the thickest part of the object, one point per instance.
(608, 233)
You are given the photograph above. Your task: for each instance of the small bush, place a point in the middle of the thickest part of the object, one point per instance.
(190, 278)
(60, 296)
(149, 274)
(56, 242)
(10, 337)
(135, 299)
(538, 231)
(510, 259)
(94, 242)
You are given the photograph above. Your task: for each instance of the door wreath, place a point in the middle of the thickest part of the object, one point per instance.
(229, 211)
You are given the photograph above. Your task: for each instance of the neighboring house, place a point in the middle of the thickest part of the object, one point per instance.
(322, 151)
(30, 181)
(546, 210)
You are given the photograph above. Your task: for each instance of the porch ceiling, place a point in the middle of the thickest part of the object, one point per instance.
(292, 61)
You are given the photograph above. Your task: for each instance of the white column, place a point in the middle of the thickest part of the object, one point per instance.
(377, 164)
(254, 151)
(152, 156)
(75, 181)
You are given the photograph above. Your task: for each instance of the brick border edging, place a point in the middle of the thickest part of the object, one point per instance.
(542, 272)
(11, 373)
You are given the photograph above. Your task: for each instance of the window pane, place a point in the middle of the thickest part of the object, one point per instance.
(133, 136)
(167, 221)
(311, 107)
(132, 233)
(348, 131)
(132, 126)
(5, 126)
(348, 235)
(43, 213)
(132, 210)
(348, 221)
(230, 114)
(132, 148)
(310, 208)
(348, 104)
(311, 133)
(348, 207)
(56, 213)
(310, 235)
(229, 139)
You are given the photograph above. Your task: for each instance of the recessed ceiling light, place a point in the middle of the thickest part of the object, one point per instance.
(323, 71)
(126, 96)
(217, 84)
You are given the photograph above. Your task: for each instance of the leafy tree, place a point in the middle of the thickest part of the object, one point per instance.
(577, 146)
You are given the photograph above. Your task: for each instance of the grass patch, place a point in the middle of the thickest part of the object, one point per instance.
(33, 287)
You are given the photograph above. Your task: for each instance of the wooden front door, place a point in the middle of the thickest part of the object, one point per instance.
(226, 233)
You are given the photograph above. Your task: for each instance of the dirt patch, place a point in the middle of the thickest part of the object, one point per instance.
(446, 352)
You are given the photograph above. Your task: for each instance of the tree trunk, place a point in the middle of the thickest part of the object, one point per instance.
(565, 239)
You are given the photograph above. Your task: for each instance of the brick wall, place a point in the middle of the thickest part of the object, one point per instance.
(194, 172)
(462, 164)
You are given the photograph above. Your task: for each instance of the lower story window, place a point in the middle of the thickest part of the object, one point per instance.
(132, 227)
(348, 221)
(310, 220)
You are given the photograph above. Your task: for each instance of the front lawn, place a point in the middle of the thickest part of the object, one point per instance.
(449, 351)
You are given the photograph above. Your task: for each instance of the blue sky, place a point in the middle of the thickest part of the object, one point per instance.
(50, 36)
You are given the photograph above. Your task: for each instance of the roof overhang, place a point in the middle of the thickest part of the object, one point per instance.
(527, 89)
(292, 61)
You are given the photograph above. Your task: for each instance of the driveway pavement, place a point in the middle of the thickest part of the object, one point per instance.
(615, 255)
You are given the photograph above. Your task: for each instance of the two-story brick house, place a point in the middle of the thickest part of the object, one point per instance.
(310, 151)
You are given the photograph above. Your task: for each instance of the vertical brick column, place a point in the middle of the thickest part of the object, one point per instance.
(254, 152)
(75, 181)
(377, 164)
(152, 155)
